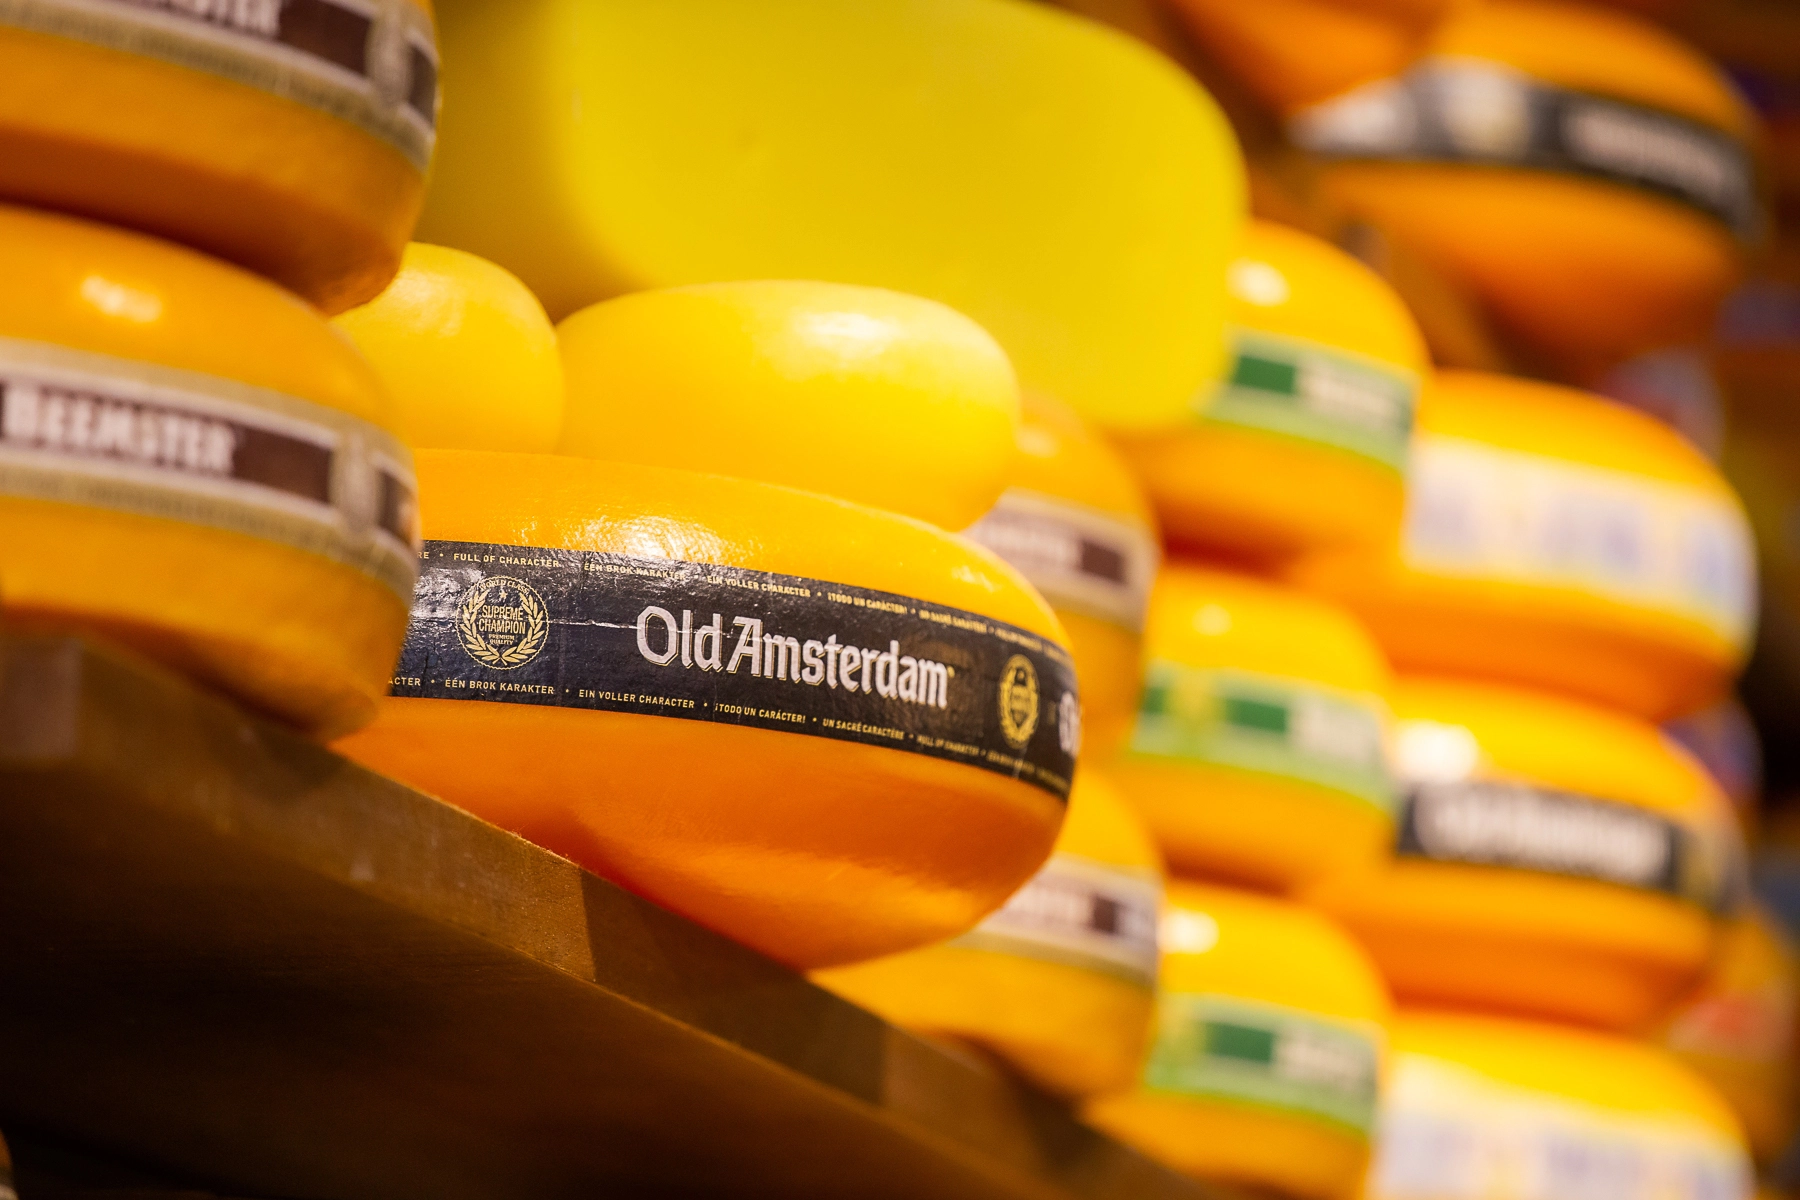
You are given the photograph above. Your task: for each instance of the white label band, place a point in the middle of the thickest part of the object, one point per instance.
(1080, 913)
(1080, 558)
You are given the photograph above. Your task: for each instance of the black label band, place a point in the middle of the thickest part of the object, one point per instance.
(617, 633)
(1507, 824)
(371, 62)
(1474, 112)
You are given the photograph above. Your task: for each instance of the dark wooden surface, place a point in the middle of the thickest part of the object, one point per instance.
(231, 957)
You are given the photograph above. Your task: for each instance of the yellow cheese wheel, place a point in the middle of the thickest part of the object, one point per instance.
(1291, 53)
(828, 731)
(1303, 444)
(1076, 524)
(192, 463)
(291, 138)
(1066, 187)
(1736, 1030)
(1060, 982)
(1554, 859)
(1258, 749)
(466, 352)
(1265, 1065)
(1491, 1108)
(1586, 173)
(860, 393)
(1557, 540)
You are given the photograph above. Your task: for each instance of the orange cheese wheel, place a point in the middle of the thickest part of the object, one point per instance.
(1303, 444)
(193, 463)
(1557, 540)
(1554, 859)
(828, 731)
(1076, 524)
(1588, 175)
(1258, 750)
(1060, 982)
(1266, 1061)
(1491, 1108)
(291, 138)
(1292, 53)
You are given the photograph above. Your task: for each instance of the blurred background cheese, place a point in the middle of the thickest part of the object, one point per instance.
(194, 464)
(1267, 1056)
(861, 393)
(1303, 444)
(292, 139)
(1588, 175)
(1075, 522)
(1737, 1028)
(466, 352)
(1060, 982)
(1296, 52)
(1258, 753)
(1558, 540)
(1554, 859)
(1487, 1108)
(1057, 182)
(816, 843)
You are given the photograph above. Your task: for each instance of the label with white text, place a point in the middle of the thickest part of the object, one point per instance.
(703, 642)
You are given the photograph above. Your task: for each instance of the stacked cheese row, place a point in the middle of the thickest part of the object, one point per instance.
(1561, 575)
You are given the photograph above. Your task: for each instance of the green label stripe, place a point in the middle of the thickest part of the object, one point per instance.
(1304, 390)
(1242, 1051)
(1265, 725)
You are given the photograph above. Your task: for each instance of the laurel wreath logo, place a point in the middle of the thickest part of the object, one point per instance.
(484, 648)
(1018, 701)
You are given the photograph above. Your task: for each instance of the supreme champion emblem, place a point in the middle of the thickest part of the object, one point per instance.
(502, 622)
(1018, 701)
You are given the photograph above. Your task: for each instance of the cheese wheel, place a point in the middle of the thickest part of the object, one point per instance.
(466, 352)
(290, 138)
(1291, 53)
(868, 395)
(1587, 174)
(1304, 443)
(1490, 1108)
(1553, 859)
(1266, 1061)
(1736, 1029)
(1060, 982)
(1064, 186)
(193, 464)
(827, 731)
(1076, 524)
(1258, 752)
(1557, 540)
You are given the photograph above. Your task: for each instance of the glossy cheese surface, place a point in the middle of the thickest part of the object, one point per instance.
(247, 131)
(1559, 540)
(814, 849)
(1584, 270)
(1303, 444)
(466, 352)
(1258, 749)
(1554, 859)
(1496, 1109)
(1055, 181)
(1076, 523)
(1060, 983)
(194, 464)
(1297, 52)
(1267, 1056)
(860, 393)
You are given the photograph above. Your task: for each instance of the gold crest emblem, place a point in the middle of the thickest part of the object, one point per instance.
(502, 622)
(1018, 701)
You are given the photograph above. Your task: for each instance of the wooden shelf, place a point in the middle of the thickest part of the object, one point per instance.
(240, 960)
